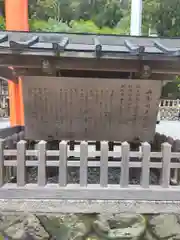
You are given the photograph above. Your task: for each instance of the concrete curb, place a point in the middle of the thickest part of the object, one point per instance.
(85, 206)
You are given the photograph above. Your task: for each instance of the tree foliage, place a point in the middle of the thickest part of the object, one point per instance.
(101, 12)
(111, 16)
(162, 15)
(74, 26)
(169, 18)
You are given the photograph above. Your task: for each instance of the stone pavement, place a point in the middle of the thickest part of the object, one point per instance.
(169, 128)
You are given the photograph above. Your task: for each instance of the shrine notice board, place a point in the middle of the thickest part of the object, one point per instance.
(63, 108)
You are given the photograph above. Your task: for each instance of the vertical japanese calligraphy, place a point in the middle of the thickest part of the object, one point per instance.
(90, 109)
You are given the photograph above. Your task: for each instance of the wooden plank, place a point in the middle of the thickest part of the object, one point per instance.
(74, 191)
(83, 163)
(104, 164)
(146, 149)
(21, 158)
(166, 161)
(1, 162)
(124, 180)
(63, 163)
(42, 163)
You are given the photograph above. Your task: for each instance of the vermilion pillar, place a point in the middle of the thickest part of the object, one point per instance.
(16, 12)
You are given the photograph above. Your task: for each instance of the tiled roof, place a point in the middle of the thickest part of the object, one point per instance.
(92, 45)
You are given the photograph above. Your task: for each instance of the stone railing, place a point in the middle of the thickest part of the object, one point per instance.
(169, 109)
(119, 174)
(169, 103)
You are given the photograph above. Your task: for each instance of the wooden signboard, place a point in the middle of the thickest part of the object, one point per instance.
(90, 108)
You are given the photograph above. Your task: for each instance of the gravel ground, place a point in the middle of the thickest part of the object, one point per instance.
(94, 175)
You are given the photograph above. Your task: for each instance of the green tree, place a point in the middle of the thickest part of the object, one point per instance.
(163, 15)
(102, 12)
(47, 8)
(150, 8)
(107, 13)
(168, 14)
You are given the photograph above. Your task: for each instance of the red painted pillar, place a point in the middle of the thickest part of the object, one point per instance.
(16, 12)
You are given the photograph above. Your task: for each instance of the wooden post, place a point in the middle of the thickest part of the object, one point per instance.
(21, 163)
(63, 164)
(42, 163)
(83, 163)
(104, 165)
(16, 20)
(146, 153)
(124, 180)
(166, 162)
